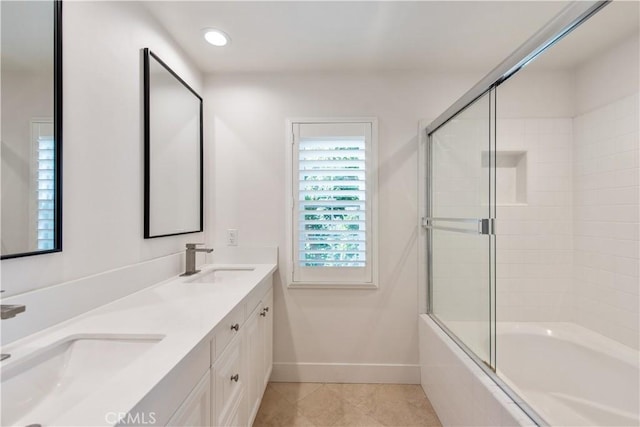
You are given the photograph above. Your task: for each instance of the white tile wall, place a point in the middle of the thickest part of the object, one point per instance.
(534, 244)
(571, 253)
(605, 292)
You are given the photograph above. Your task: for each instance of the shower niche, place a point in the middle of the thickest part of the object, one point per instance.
(511, 177)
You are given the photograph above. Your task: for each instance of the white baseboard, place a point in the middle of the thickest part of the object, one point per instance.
(346, 373)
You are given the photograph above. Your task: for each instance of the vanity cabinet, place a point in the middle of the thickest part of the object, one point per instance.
(222, 380)
(241, 371)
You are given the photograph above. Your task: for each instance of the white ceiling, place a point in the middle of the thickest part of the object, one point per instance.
(434, 36)
(612, 24)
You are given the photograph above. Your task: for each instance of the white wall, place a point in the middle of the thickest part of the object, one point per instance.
(245, 118)
(605, 294)
(537, 94)
(25, 95)
(102, 146)
(608, 77)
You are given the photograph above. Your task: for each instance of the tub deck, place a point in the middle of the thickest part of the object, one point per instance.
(573, 376)
(570, 375)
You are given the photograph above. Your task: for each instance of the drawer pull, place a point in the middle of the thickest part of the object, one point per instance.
(235, 377)
(235, 327)
(263, 313)
(266, 309)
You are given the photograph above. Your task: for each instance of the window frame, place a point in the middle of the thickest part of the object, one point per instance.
(372, 194)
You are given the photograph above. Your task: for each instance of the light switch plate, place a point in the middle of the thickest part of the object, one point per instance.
(232, 237)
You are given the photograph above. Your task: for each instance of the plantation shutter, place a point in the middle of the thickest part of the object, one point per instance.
(332, 207)
(44, 183)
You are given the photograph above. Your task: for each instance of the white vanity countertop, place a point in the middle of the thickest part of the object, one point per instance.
(184, 313)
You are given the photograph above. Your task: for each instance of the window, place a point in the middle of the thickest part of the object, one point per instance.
(333, 193)
(43, 183)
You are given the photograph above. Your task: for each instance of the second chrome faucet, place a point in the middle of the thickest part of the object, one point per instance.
(190, 260)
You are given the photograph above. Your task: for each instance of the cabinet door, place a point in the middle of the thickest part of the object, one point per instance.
(254, 330)
(229, 380)
(196, 409)
(235, 415)
(267, 305)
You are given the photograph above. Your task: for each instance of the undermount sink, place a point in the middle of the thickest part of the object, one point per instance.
(218, 275)
(40, 386)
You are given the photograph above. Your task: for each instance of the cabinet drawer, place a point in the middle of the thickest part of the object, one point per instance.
(229, 379)
(228, 329)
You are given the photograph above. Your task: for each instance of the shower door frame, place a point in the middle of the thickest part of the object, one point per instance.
(571, 17)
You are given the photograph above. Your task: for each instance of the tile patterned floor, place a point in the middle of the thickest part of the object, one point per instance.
(366, 405)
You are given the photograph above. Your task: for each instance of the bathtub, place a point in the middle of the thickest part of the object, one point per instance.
(569, 375)
(459, 390)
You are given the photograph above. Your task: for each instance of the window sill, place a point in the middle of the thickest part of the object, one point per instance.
(363, 286)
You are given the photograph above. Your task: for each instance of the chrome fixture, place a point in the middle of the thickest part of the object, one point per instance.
(7, 312)
(569, 18)
(484, 225)
(10, 311)
(190, 262)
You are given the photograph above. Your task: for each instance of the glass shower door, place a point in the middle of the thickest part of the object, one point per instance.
(461, 165)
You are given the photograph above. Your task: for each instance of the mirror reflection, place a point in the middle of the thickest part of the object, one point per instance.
(30, 85)
(173, 152)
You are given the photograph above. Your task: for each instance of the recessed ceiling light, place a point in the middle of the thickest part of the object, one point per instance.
(216, 37)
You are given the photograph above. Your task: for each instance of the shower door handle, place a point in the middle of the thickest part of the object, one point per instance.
(485, 225)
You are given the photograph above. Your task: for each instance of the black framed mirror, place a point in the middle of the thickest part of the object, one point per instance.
(173, 152)
(31, 128)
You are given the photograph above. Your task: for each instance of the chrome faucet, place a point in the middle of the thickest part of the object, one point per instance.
(190, 261)
(7, 312)
(10, 311)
